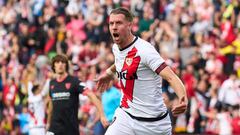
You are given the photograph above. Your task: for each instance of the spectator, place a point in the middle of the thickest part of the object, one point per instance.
(229, 92)
(23, 119)
(111, 101)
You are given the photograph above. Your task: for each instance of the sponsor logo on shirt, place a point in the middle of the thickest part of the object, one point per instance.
(126, 76)
(61, 96)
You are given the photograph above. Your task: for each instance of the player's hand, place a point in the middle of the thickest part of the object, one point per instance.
(103, 82)
(181, 107)
(104, 121)
(47, 126)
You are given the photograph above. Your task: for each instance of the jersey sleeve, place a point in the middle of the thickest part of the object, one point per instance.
(80, 86)
(152, 59)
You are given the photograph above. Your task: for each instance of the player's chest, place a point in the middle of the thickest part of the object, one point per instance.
(60, 87)
(61, 91)
(130, 60)
(128, 66)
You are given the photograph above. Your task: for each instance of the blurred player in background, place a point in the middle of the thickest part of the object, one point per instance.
(64, 93)
(36, 104)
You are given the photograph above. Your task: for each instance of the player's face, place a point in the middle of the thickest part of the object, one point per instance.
(60, 67)
(119, 28)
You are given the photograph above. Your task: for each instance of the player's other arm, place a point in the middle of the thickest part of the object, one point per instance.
(179, 89)
(104, 80)
(111, 70)
(49, 113)
(93, 98)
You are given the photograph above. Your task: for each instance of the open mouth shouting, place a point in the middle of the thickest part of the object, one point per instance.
(115, 36)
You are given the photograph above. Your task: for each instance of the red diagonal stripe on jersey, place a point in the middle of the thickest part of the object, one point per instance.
(131, 70)
(33, 117)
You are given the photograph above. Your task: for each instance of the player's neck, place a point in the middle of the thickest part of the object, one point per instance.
(61, 77)
(129, 40)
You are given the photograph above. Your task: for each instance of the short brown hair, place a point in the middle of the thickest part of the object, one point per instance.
(60, 57)
(128, 15)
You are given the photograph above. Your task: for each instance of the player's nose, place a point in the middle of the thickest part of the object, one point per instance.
(114, 26)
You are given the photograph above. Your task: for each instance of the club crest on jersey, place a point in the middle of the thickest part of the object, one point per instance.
(67, 85)
(52, 87)
(129, 61)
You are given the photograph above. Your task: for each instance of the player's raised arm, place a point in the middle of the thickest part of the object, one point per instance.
(179, 89)
(45, 88)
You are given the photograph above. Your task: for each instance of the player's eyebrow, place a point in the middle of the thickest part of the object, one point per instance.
(116, 22)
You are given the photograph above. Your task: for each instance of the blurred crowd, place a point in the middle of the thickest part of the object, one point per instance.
(199, 39)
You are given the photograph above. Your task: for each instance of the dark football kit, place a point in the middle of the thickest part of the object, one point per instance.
(65, 100)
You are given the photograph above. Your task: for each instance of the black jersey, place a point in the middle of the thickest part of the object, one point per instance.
(65, 100)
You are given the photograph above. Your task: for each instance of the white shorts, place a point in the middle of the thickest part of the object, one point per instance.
(125, 125)
(37, 131)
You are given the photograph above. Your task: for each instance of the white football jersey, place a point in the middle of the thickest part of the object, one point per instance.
(36, 106)
(138, 67)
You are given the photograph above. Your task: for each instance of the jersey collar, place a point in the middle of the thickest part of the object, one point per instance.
(62, 79)
(129, 44)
